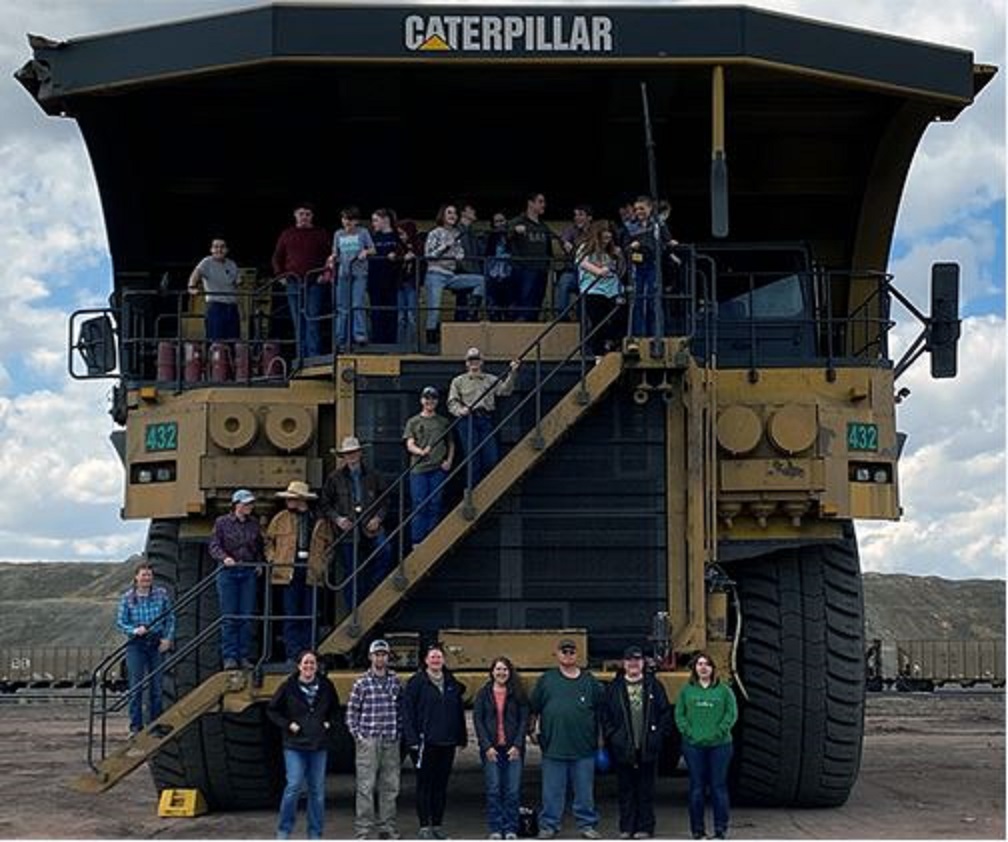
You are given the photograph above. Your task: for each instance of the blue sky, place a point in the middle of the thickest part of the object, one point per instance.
(64, 484)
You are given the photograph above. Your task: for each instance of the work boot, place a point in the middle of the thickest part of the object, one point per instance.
(425, 833)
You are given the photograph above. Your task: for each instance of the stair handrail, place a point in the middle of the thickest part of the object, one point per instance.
(465, 463)
(100, 673)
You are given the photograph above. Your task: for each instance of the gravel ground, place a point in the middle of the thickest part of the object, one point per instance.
(933, 768)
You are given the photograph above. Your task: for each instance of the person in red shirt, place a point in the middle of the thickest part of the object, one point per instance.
(300, 259)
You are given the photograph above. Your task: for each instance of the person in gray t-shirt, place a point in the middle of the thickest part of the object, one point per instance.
(217, 274)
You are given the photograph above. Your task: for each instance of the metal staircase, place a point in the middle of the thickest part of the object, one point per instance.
(118, 763)
(460, 520)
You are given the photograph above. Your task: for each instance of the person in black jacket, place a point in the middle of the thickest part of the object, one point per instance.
(500, 717)
(636, 717)
(304, 707)
(433, 724)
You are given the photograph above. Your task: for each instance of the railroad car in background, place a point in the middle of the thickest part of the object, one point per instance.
(53, 667)
(923, 665)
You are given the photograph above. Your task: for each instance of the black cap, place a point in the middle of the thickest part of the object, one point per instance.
(429, 392)
(632, 652)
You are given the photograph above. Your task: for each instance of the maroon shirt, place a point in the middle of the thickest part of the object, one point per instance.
(240, 539)
(299, 250)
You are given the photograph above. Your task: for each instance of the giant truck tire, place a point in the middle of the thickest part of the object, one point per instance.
(233, 759)
(801, 663)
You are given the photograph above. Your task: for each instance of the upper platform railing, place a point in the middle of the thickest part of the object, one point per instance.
(751, 319)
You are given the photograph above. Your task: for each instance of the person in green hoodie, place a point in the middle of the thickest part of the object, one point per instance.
(705, 712)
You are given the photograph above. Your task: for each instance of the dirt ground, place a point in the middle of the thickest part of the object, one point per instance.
(933, 767)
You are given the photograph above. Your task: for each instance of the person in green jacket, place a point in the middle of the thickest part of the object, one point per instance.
(705, 713)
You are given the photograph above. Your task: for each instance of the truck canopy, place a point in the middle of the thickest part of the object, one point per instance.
(217, 126)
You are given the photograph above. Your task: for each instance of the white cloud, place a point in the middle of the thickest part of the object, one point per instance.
(953, 468)
(63, 482)
(63, 479)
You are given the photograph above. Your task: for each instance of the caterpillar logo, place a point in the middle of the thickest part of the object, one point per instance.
(509, 33)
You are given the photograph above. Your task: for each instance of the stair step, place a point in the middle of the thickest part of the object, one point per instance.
(512, 467)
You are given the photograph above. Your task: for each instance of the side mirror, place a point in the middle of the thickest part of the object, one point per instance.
(96, 343)
(945, 327)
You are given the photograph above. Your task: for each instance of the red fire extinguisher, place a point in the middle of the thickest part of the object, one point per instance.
(193, 370)
(166, 360)
(242, 361)
(220, 362)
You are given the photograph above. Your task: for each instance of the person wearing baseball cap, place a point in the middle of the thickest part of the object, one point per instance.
(236, 543)
(566, 701)
(636, 718)
(372, 717)
(431, 446)
(473, 396)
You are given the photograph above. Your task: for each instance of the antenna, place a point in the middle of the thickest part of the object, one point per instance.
(655, 231)
(649, 144)
(719, 167)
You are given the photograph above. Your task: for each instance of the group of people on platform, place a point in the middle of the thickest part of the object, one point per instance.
(570, 714)
(365, 281)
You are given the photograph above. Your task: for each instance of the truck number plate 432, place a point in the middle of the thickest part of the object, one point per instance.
(163, 436)
(862, 436)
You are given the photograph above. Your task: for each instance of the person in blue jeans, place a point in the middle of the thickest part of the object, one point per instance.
(144, 615)
(298, 260)
(472, 396)
(645, 241)
(500, 718)
(304, 708)
(431, 446)
(355, 504)
(236, 543)
(352, 246)
(567, 702)
(705, 713)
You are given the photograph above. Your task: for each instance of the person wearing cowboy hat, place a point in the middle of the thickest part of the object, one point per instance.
(288, 541)
(352, 498)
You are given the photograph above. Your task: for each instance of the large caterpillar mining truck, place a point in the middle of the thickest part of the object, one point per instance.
(695, 489)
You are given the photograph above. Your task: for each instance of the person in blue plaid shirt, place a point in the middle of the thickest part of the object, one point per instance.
(146, 618)
(372, 717)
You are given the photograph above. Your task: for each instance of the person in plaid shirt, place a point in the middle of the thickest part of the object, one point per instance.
(145, 617)
(372, 718)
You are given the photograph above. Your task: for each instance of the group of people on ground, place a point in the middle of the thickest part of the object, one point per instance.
(365, 280)
(570, 714)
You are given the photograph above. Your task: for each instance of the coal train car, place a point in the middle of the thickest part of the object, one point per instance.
(52, 667)
(923, 665)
